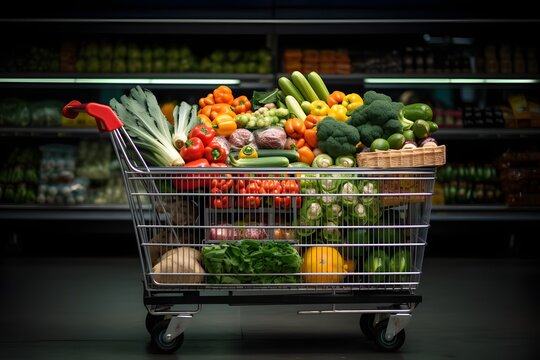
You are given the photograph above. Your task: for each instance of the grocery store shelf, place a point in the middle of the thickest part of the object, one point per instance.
(122, 213)
(149, 80)
(486, 133)
(484, 213)
(254, 80)
(64, 212)
(56, 132)
(270, 21)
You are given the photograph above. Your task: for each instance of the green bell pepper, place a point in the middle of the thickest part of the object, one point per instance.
(417, 111)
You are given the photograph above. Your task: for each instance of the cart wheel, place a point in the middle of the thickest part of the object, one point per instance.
(387, 345)
(159, 341)
(152, 320)
(367, 325)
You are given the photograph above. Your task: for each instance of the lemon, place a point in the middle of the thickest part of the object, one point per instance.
(396, 141)
(380, 144)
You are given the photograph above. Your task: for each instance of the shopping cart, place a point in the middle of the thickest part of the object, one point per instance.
(341, 240)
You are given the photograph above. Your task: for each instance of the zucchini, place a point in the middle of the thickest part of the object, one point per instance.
(290, 89)
(294, 107)
(302, 84)
(318, 85)
(269, 161)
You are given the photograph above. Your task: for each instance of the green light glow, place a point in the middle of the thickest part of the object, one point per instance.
(141, 81)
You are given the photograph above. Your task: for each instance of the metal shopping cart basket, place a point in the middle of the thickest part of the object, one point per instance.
(341, 240)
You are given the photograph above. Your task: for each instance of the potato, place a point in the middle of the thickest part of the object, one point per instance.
(179, 260)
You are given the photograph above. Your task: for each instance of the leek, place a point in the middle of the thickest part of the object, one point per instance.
(185, 119)
(147, 126)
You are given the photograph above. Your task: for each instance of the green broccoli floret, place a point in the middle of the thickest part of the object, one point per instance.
(369, 132)
(337, 138)
(370, 96)
(377, 117)
(392, 126)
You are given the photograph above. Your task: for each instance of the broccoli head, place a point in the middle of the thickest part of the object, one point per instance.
(377, 118)
(337, 138)
(392, 126)
(370, 96)
(369, 132)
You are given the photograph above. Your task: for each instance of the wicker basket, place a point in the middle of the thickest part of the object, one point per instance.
(405, 158)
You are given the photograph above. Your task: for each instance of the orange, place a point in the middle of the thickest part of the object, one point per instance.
(324, 259)
(167, 110)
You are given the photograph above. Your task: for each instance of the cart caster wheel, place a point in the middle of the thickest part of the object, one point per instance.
(160, 343)
(384, 344)
(152, 320)
(367, 325)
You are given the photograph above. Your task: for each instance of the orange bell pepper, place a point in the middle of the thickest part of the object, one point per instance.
(306, 155)
(241, 104)
(223, 94)
(335, 98)
(294, 127)
(224, 124)
(212, 111)
(310, 135)
(208, 100)
(311, 120)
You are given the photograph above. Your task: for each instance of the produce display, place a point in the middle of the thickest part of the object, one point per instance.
(470, 183)
(135, 56)
(19, 176)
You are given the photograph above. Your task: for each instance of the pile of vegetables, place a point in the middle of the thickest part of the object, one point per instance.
(298, 124)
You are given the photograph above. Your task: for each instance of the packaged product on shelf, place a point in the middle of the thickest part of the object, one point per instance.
(58, 183)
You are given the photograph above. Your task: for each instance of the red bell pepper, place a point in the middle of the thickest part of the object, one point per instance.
(215, 153)
(194, 181)
(193, 149)
(203, 132)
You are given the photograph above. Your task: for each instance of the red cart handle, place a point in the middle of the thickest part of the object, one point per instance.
(106, 119)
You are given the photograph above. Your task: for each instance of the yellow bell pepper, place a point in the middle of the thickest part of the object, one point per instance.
(338, 112)
(224, 125)
(248, 152)
(352, 101)
(319, 108)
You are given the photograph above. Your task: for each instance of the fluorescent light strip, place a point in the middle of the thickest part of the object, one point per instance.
(142, 81)
(448, 81)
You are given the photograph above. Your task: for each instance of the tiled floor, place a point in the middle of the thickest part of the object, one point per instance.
(91, 308)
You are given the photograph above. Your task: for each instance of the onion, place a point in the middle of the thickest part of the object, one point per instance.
(428, 142)
(409, 145)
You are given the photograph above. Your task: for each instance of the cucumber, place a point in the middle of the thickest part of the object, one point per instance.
(269, 161)
(292, 155)
(302, 84)
(318, 85)
(290, 89)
